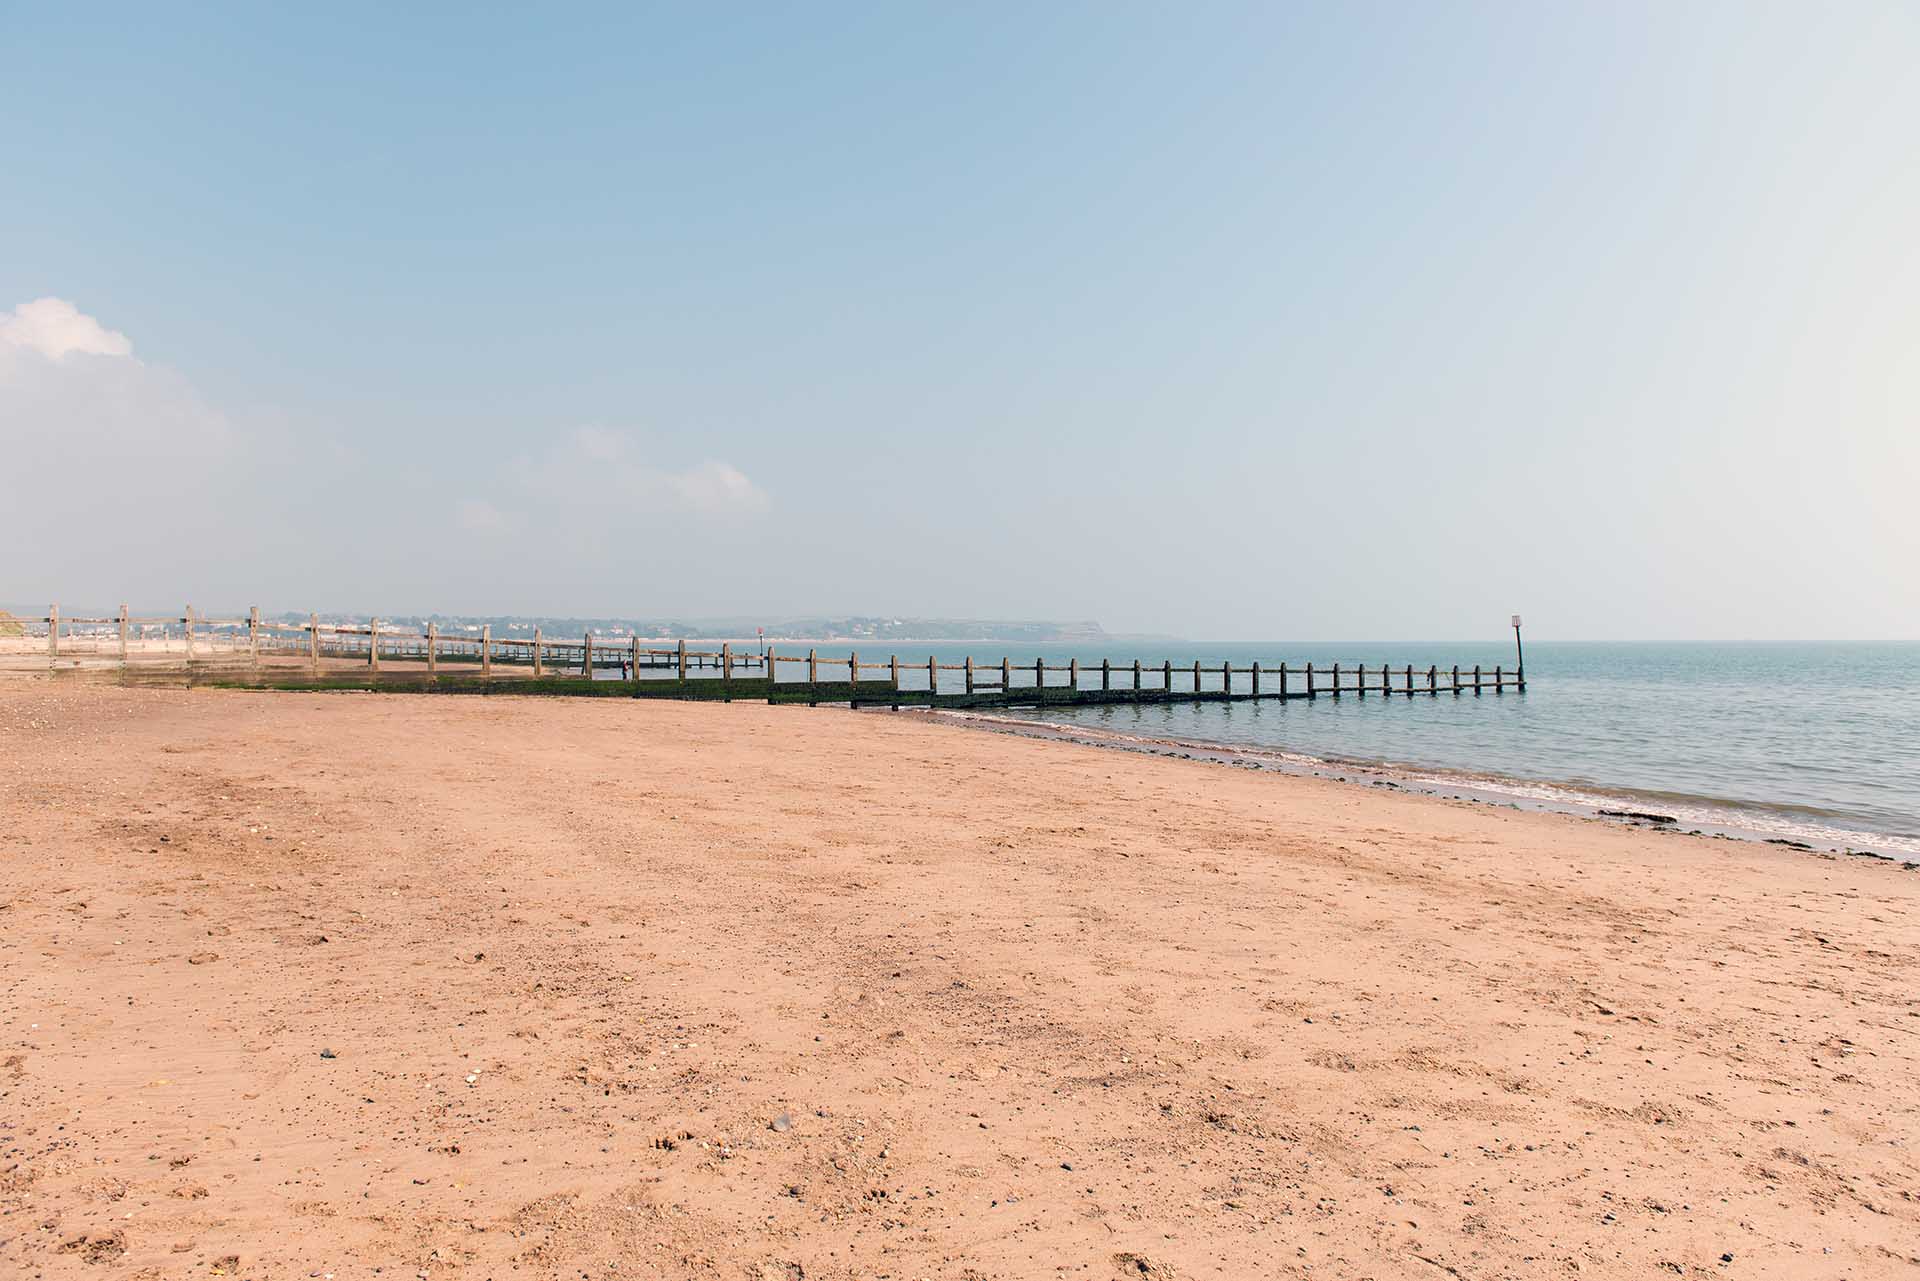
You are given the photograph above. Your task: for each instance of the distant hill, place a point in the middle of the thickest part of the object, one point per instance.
(852, 627)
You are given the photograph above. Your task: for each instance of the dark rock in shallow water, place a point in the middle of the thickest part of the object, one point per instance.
(1641, 815)
(1792, 845)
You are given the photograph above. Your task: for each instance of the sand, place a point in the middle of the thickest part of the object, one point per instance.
(323, 984)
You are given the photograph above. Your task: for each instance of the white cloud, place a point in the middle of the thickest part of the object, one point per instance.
(55, 328)
(717, 487)
(603, 466)
(477, 516)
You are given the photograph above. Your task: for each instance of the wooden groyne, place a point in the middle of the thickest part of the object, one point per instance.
(255, 653)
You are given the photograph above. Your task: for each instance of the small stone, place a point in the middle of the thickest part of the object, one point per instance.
(328, 1054)
(781, 1124)
(203, 958)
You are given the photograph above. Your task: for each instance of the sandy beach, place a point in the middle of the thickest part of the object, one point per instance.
(334, 984)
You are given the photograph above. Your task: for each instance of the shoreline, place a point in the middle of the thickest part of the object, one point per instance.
(1617, 806)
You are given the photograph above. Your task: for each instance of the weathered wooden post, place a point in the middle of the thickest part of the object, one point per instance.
(853, 679)
(633, 658)
(773, 671)
(1073, 674)
(1455, 687)
(1310, 690)
(969, 673)
(681, 659)
(539, 654)
(1256, 678)
(1006, 677)
(486, 650)
(1106, 675)
(1409, 680)
(893, 674)
(433, 648)
(1166, 678)
(53, 632)
(1433, 680)
(373, 643)
(1136, 680)
(1226, 679)
(1336, 680)
(586, 655)
(726, 671)
(123, 635)
(1283, 682)
(813, 678)
(1476, 678)
(313, 641)
(933, 679)
(1196, 678)
(1360, 681)
(253, 635)
(1039, 677)
(1499, 685)
(189, 622)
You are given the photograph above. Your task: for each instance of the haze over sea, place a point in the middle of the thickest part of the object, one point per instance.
(1816, 742)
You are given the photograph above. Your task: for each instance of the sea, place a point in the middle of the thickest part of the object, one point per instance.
(1815, 744)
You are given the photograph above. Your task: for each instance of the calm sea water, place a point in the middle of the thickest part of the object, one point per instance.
(1817, 742)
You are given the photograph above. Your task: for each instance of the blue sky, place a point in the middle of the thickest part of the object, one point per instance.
(1223, 321)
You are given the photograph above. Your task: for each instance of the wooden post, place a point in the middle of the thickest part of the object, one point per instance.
(539, 659)
(1409, 680)
(726, 671)
(373, 643)
(1283, 682)
(633, 658)
(773, 671)
(189, 621)
(486, 650)
(586, 654)
(1498, 685)
(1455, 687)
(1006, 677)
(853, 679)
(1196, 678)
(680, 658)
(1256, 678)
(1336, 680)
(123, 635)
(1476, 678)
(253, 635)
(813, 677)
(893, 673)
(313, 641)
(933, 679)
(1310, 690)
(1360, 681)
(969, 673)
(1106, 674)
(1039, 677)
(1136, 680)
(1226, 678)
(433, 648)
(1433, 680)
(53, 632)
(1073, 674)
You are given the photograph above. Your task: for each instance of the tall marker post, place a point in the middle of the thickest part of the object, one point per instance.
(1519, 655)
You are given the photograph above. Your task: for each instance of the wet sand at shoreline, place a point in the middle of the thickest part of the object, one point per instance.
(321, 983)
